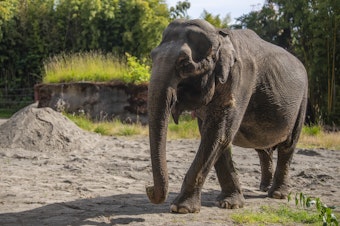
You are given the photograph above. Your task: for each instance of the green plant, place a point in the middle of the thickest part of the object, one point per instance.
(103, 129)
(186, 129)
(326, 214)
(312, 130)
(84, 66)
(81, 120)
(315, 137)
(138, 70)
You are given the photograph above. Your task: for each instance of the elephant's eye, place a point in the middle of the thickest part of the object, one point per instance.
(185, 65)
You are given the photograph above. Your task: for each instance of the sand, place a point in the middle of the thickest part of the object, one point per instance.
(53, 173)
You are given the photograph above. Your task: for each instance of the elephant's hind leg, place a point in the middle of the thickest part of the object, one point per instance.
(280, 187)
(231, 196)
(266, 162)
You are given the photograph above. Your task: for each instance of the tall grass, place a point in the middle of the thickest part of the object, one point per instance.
(316, 137)
(87, 66)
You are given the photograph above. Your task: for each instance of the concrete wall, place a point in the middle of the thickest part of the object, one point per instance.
(99, 101)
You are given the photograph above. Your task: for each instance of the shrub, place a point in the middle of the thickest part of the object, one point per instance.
(138, 70)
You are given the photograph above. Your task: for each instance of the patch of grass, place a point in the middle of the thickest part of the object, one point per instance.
(122, 129)
(103, 128)
(312, 130)
(81, 121)
(87, 66)
(108, 128)
(187, 128)
(315, 137)
(95, 67)
(280, 215)
(6, 113)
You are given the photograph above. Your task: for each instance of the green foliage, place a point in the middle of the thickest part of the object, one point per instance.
(138, 70)
(34, 30)
(180, 10)
(81, 121)
(6, 113)
(312, 130)
(85, 66)
(107, 128)
(325, 213)
(216, 20)
(186, 129)
(95, 66)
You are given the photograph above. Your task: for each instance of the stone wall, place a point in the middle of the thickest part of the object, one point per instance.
(99, 101)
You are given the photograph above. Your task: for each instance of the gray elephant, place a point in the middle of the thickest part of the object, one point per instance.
(243, 90)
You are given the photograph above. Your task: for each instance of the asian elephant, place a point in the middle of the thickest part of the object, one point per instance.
(243, 90)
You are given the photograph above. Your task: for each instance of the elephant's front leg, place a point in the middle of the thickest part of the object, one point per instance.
(189, 199)
(231, 196)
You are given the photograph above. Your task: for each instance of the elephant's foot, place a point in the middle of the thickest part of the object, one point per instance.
(186, 204)
(231, 201)
(278, 192)
(265, 186)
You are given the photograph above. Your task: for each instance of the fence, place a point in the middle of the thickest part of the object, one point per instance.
(14, 99)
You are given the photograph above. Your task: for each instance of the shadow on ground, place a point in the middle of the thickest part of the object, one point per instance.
(87, 211)
(112, 210)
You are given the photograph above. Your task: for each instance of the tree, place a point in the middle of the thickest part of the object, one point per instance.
(31, 30)
(180, 10)
(216, 20)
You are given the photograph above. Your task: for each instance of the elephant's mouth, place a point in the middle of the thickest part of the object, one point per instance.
(189, 95)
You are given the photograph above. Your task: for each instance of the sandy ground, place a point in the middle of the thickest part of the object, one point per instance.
(101, 180)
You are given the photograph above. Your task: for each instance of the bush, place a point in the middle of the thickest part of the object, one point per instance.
(138, 70)
(312, 130)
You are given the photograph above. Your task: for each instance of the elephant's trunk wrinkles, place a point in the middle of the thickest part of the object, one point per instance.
(160, 100)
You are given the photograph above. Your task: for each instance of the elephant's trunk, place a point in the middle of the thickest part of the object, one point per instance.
(161, 98)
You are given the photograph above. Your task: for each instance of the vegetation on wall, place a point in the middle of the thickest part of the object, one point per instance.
(96, 67)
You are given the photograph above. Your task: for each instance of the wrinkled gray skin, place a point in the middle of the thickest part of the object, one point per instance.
(242, 89)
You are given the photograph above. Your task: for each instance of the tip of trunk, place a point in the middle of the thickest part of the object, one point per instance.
(156, 197)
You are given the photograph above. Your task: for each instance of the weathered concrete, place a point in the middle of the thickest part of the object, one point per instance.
(99, 101)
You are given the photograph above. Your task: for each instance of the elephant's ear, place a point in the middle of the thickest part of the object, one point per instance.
(225, 57)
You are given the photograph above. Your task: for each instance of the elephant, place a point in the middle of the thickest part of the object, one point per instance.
(244, 91)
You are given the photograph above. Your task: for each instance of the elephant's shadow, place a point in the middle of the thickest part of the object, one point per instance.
(112, 210)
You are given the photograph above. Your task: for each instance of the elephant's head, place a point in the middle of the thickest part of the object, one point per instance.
(192, 58)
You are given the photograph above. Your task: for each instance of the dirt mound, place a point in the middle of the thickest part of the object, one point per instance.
(39, 129)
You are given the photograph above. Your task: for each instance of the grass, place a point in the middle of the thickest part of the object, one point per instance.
(95, 67)
(284, 215)
(315, 137)
(187, 129)
(108, 128)
(87, 66)
(6, 113)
